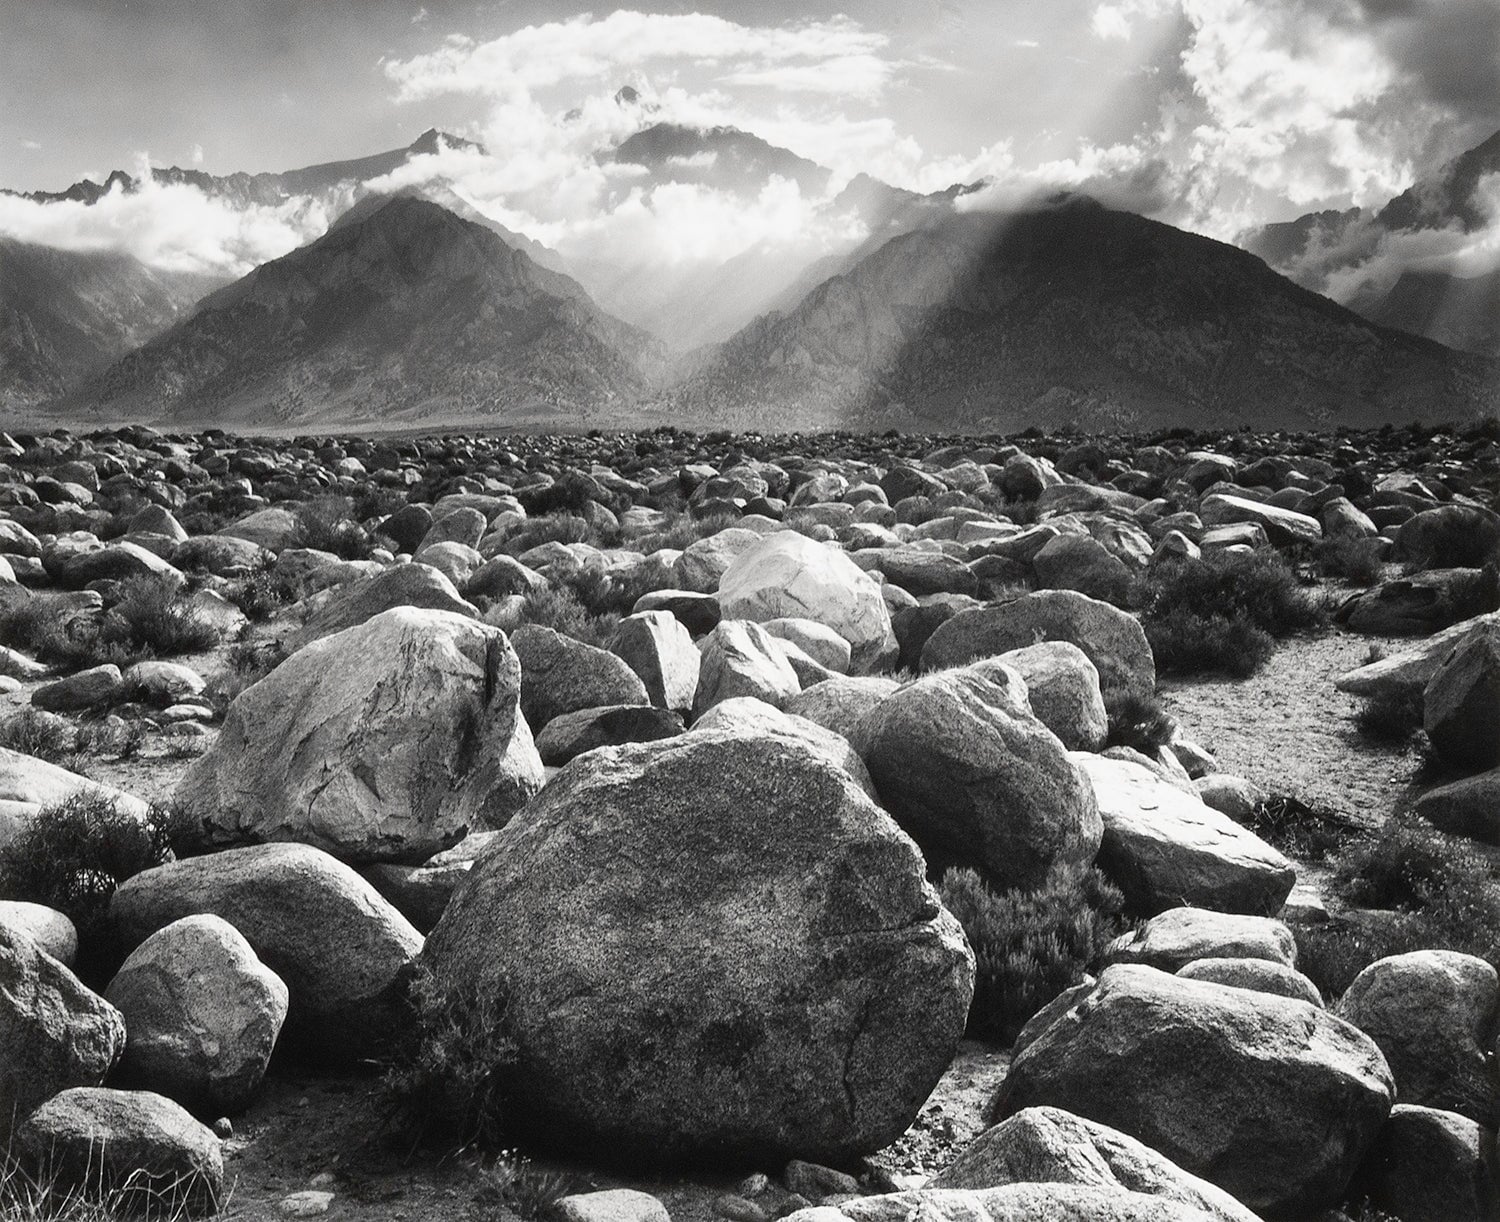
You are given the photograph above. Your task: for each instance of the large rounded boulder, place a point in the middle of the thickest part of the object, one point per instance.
(788, 574)
(1274, 1100)
(388, 741)
(976, 779)
(713, 946)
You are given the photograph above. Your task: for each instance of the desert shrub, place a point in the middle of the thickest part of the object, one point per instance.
(1332, 954)
(45, 626)
(1030, 945)
(152, 619)
(1475, 593)
(554, 528)
(559, 608)
(31, 1194)
(513, 1181)
(1309, 833)
(1184, 643)
(377, 501)
(1410, 866)
(1258, 587)
(1137, 721)
(445, 1079)
(1350, 558)
(71, 856)
(261, 595)
(112, 736)
(601, 593)
(43, 735)
(682, 533)
(1390, 717)
(328, 524)
(248, 663)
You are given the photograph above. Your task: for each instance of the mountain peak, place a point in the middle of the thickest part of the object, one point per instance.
(432, 141)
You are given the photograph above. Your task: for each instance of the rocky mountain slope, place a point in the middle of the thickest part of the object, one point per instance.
(67, 314)
(1075, 314)
(404, 312)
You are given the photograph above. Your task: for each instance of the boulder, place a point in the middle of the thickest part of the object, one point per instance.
(91, 688)
(163, 683)
(1165, 848)
(272, 528)
(404, 585)
(385, 742)
(814, 640)
(747, 715)
(1418, 605)
(343, 952)
(1429, 1165)
(51, 930)
(560, 675)
(1011, 1203)
(1261, 975)
(1064, 691)
(1468, 807)
(788, 574)
(1282, 526)
(1113, 639)
(610, 1205)
(698, 613)
(837, 704)
(54, 1032)
(740, 658)
(1045, 1145)
(1448, 536)
(27, 784)
(967, 770)
(715, 945)
(1273, 1100)
(1175, 938)
(571, 734)
(660, 650)
(702, 564)
(1082, 563)
(925, 570)
(202, 1015)
(220, 555)
(1461, 703)
(1408, 672)
(1433, 1013)
(138, 1150)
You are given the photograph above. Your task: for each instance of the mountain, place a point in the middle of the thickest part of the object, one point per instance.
(1073, 314)
(244, 189)
(402, 313)
(1462, 312)
(1367, 256)
(67, 314)
(721, 157)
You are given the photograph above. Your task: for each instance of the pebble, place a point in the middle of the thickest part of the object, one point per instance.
(307, 1204)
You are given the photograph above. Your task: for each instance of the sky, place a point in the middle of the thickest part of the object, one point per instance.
(1216, 115)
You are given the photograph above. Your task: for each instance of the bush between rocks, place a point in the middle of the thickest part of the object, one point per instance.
(1030, 945)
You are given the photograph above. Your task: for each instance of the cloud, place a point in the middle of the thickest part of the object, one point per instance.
(31, 146)
(196, 155)
(175, 227)
(420, 17)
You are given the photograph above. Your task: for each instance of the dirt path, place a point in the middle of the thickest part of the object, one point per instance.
(1292, 732)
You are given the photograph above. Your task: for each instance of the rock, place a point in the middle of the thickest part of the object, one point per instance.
(1461, 703)
(660, 650)
(502, 575)
(1432, 1166)
(54, 1032)
(1230, 795)
(1273, 1100)
(28, 784)
(739, 658)
(14, 665)
(343, 952)
(220, 555)
(1282, 526)
(967, 770)
(1011, 1203)
(1046, 1145)
(814, 1181)
(202, 1015)
(405, 585)
(1176, 937)
(747, 715)
(713, 944)
(1433, 1013)
(1261, 975)
(98, 685)
(1412, 606)
(388, 741)
(51, 930)
(454, 561)
(610, 1205)
(163, 683)
(1408, 672)
(822, 644)
(920, 571)
(702, 564)
(1082, 563)
(560, 675)
(1063, 688)
(837, 704)
(310, 1203)
(136, 1149)
(272, 529)
(118, 561)
(1164, 848)
(1113, 639)
(571, 734)
(1469, 807)
(1448, 536)
(698, 613)
(788, 574)
(407, 527)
